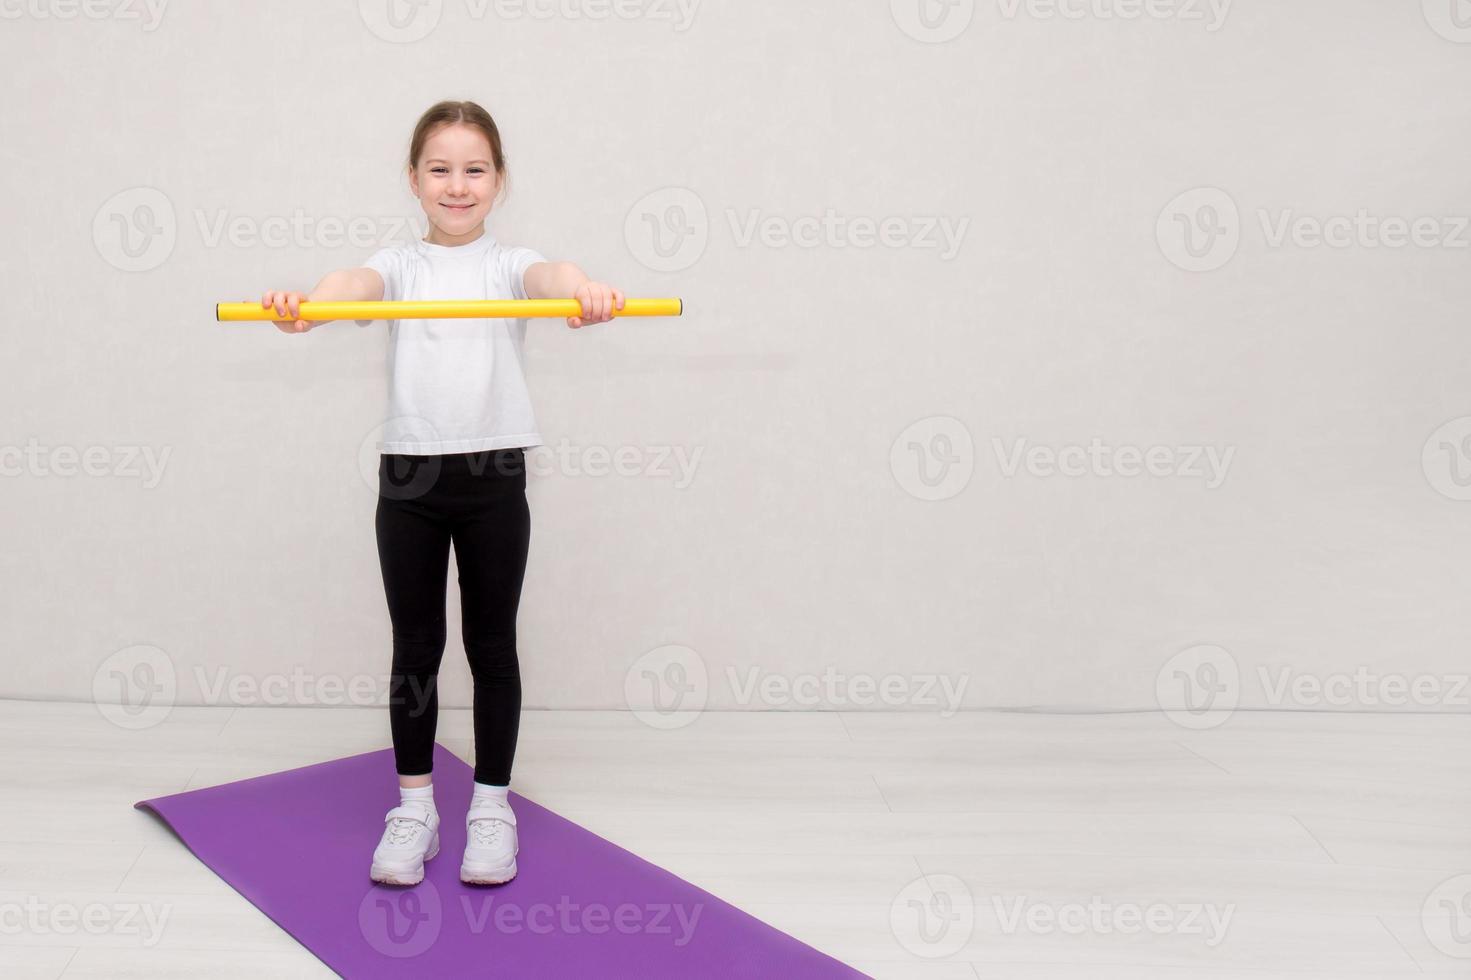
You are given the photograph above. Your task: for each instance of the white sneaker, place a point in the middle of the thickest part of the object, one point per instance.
(490, 844)
(410, 839)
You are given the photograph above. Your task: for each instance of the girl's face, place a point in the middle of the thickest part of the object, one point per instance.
(455, 183)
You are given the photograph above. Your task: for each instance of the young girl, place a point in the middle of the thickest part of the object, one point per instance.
(453, 471)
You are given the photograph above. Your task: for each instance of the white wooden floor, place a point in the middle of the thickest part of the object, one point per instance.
(1322, 836)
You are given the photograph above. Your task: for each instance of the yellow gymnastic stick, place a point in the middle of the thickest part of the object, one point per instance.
(443, 309)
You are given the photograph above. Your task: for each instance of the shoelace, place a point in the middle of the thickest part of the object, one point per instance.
(402, 830)
(486, 831)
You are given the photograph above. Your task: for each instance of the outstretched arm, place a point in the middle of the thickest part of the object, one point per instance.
(559, 280)
(349, 285)
(343, 285)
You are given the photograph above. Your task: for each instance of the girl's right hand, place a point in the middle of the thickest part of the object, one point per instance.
(288, 304)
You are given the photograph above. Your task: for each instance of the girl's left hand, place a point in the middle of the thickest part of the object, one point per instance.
(599, 301)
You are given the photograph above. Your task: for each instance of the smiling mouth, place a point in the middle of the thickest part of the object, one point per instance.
(457, 207)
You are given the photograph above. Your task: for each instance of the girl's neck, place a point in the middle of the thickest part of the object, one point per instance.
(437, 236)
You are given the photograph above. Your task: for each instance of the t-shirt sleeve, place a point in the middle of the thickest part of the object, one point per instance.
(388, 263)
(515, 261)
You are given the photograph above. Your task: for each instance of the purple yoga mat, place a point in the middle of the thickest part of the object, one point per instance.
(298, 843)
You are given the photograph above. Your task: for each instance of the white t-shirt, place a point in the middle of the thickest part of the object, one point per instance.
(456, 386)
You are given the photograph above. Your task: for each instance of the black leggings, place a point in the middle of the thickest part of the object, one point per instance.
(478, 502)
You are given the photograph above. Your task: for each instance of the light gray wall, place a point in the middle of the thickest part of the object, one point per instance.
(1064, 155)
